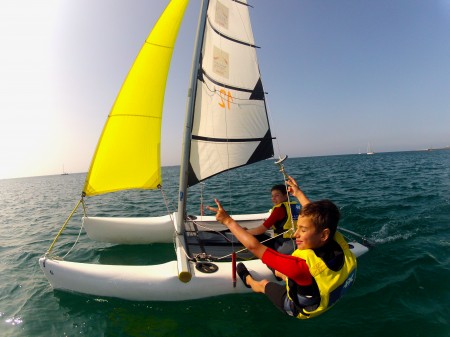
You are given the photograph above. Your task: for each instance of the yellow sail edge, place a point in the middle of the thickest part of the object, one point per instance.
(128, 152)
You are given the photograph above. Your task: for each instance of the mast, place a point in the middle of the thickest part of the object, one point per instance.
(184, 169)
(184, 273)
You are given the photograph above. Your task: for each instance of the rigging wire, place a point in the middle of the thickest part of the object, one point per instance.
(76, 241)
(279, 162)
(81, 201)
(166, 203)
(221, 233)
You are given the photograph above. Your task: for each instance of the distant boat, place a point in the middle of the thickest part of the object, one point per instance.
(64, 173)
(369, 149)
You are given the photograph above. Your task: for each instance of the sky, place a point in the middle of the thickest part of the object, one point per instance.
(339, 75)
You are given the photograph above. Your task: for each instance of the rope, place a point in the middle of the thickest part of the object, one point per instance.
(244, 249)
(84, 207)
(225, 237)
(202, 210)
(76, 241)
(64, 226)
(166, 203)
(279, 162)
(211, 230)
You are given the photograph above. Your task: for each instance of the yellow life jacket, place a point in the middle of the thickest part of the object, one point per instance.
(332, 284)
(292, 212)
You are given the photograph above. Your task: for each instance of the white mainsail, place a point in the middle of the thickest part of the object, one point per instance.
(230, 125)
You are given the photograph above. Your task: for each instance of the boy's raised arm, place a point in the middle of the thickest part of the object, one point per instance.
(247, 239)
(297, 192)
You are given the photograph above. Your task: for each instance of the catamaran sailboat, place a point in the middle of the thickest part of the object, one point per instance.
(369, 149)
(226, 127)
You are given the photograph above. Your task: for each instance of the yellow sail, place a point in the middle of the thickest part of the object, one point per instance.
(128, 152)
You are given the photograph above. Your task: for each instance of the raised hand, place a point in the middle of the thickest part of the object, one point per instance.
(293, 186)
(221, 214)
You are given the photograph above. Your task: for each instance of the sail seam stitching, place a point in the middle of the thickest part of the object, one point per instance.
(131, 115)
(158, 45)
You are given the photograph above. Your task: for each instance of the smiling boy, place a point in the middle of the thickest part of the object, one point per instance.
(319, 271)
(282, 219)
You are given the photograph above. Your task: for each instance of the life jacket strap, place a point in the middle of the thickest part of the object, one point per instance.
(302, 303)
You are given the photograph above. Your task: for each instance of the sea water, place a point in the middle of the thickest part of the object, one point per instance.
(400, 201)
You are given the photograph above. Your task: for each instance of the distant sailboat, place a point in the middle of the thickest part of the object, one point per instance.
(369, 149)
(64, 173)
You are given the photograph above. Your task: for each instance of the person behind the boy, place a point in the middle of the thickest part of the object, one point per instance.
(319, 271)
(282, 219)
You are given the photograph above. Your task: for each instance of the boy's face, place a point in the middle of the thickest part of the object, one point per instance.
(278, 197)
(306, 236)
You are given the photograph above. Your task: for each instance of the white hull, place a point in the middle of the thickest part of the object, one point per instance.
(152, 283)
(150, 229)
(146, 283)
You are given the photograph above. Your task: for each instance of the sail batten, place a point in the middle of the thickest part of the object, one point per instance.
(228, 86)
(231, 38)
(128, 152)
(226, 140)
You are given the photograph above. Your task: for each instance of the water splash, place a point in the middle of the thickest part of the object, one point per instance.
(385, 235)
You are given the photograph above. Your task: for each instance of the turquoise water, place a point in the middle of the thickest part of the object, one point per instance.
(401, 201)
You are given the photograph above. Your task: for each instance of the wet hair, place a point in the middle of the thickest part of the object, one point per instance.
(324, 214)
(280, 188)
